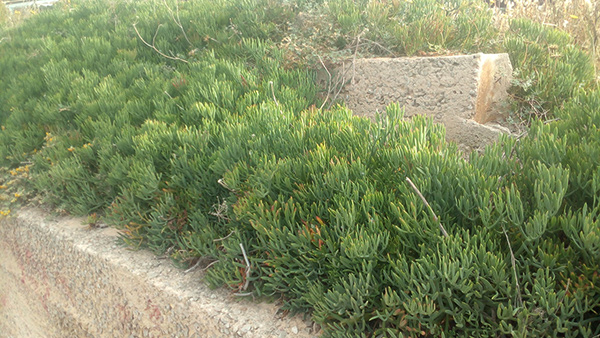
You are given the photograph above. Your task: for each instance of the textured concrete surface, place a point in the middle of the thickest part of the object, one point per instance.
(466, 93)
(58, 278)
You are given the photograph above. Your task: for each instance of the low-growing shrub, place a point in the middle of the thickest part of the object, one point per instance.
(579, 18)
(550, 69)
(343, 233)
(342, 28)
(183, 124)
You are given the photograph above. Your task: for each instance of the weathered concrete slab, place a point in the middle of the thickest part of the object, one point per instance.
(466, 93)
(59, 278)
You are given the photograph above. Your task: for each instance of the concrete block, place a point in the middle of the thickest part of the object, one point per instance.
(58, 278)
(466, 93)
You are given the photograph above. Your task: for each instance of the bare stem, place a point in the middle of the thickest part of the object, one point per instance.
(382, 47)
(248, 268)
(224, 185)
(194, 266)
(246, 294)
(153, 46)
(514, 267)
(177, 20)
(209, 265)
(340, 83)
(273, 93)
(428, 206)
(224, 238)
(328, 82)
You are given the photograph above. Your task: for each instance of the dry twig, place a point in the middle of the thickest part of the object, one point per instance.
(193, 266)
(200, 260)
(153, 46)
(328, 82)
(428, 206)
(209, 265)
(224, 238)
(220, 211)
(248, 271)
(177, 20)
(514, 267)
(224, 185)
(382, 47)
(339, 85)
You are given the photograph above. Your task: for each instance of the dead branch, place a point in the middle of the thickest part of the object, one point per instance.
(224, 238)
(248, 270)
(340, 83)
(514, 267)
(328, 82)
(428, 206)
(193, 267)
(177, 20)
(153, 46)
(220, 211)
(382, 47)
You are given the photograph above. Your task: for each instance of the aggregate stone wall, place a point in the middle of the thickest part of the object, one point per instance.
(466, 93)
(58, 278)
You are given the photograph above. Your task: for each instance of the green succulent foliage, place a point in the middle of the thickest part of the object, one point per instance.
(336, 30)
(409, 27)
(205, 144)
(549, 68)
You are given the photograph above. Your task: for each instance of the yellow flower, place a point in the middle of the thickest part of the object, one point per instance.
(3, 128)
(17, 195)
(3, 187)
(71, 148)
(4, 213)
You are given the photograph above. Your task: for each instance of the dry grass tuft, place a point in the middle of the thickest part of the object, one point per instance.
(579, 18)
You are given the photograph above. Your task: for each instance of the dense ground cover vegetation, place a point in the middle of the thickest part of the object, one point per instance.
(579, 18)
(195, 128)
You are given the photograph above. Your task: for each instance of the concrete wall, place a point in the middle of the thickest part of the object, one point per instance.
(59, 278)
(466, 93)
